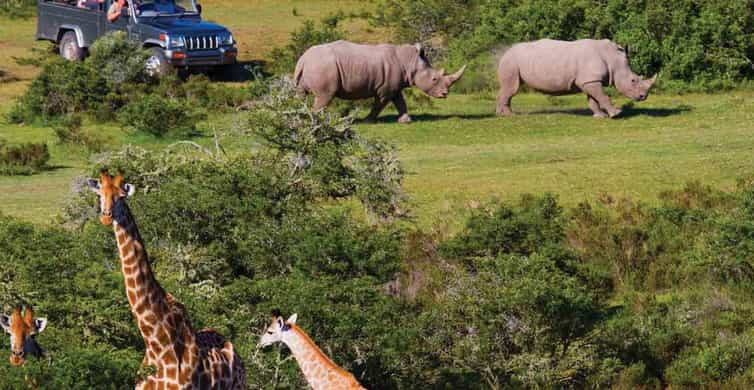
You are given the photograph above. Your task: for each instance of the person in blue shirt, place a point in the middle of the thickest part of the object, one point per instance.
(159, 6)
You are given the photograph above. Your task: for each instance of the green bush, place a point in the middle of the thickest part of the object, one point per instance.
(62, 88)
(111, 84)
(323, 153)
(17, 8)
(68, 131)
(510, 230)
(160, 116)
(305, 37)
(23, 159)
(695, 44)
(420, 21)
(119, 60)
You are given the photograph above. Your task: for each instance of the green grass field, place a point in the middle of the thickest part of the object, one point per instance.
(457, 153)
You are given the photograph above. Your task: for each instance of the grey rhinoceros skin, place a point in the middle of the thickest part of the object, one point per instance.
(352, 71)
(561, 67)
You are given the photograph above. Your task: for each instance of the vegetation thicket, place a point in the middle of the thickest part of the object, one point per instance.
(527, 294)
(17, 8)
(313, 218)
(112, 84)
(695, 44)
(23, 159)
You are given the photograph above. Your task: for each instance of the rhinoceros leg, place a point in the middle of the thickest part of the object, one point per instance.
(321, 101)
(596, 109)
(509, 84)
(377, 107)
(594, 90)
(400, 105)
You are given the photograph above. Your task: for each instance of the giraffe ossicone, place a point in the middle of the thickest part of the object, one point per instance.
(23, 327)
(319, 370)
(183, 358)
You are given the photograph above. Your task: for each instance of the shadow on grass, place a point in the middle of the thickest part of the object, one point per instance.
(241, 71)
(628, 111)
(53, 168)
(654, 112)
(428, 117)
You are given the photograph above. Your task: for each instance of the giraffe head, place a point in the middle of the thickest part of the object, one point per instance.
(22, 328)
(277, 330)
(110, 190)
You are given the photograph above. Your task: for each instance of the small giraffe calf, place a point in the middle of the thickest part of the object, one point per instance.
(22, 328)
(319, 370)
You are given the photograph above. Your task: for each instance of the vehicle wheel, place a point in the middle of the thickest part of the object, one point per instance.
(69, 47)
(157, 64)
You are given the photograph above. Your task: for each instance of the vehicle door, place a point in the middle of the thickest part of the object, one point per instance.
(122, 23)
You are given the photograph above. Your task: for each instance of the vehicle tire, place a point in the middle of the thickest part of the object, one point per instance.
(157, 64)
(69, 47)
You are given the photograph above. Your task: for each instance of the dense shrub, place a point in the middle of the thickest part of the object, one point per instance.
(303, 38)
(68, 131)
(509, 230)
(17, 8)
(23, 159)
(112, 84)
(63, 87)
(696, 44)
(159, 116)
(324, 154)
(420, 21)
(119, 60)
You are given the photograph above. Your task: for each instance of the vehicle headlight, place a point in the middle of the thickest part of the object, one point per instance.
(226, 39)
(175, 42)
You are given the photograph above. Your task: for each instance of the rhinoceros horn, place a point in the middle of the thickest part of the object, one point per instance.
(651, 81)
(457, 75)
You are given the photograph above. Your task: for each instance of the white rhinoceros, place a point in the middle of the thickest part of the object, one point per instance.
(352, 71)
(560, 67)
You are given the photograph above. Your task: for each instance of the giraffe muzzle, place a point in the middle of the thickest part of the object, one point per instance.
(17, 358)
(106, 218)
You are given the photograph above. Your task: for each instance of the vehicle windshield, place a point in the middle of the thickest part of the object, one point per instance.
(151, 8)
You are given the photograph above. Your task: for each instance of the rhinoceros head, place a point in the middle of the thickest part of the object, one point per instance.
(435, 82)
(634, 86)
(628, 82)
(432, 81)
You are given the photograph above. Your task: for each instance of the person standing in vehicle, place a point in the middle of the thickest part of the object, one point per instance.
(90, 4)
(165, 6)
(116, 9)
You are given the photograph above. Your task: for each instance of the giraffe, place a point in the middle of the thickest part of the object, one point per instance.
(23, 328)
(183, 359)
(319, 370)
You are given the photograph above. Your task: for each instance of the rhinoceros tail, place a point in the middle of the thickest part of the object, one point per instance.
(298, 73)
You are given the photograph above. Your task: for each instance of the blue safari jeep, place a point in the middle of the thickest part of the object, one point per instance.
(173, 31)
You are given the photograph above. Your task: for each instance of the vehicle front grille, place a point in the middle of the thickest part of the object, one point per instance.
(204, 42)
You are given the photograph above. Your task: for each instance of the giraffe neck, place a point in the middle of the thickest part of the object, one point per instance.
(313, 362)
(145, 295)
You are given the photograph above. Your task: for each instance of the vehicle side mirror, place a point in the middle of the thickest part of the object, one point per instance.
(199, 9)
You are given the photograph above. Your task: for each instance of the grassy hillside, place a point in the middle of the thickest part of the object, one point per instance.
(301, 211)
(456, 151)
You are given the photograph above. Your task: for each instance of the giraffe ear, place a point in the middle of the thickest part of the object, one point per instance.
(93, 184)
(40, 324)
(292, 319)
(129, 189)
(5, 323)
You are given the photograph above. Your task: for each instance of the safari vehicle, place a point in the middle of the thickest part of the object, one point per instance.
(171, 29)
